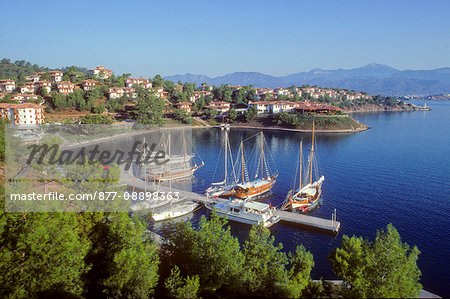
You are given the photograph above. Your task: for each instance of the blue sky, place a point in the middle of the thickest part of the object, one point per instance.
(218, 37)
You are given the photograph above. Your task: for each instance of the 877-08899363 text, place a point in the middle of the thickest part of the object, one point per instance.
(97, 195)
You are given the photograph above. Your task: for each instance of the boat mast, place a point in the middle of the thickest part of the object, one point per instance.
(168, 145)
(184, 150)
(301, 162)
(226, 151)
(242, 158)
(312, 153)
(262, 154)
(145, 168)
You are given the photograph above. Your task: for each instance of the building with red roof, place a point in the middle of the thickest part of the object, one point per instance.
(22, 114)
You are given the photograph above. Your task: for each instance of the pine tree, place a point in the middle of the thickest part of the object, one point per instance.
(383, 268)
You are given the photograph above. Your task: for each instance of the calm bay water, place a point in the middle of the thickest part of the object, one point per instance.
(397, 172)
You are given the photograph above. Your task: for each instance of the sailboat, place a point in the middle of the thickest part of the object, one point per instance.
(178, 166)
(226, 187)
(305, 197)
(263, 181)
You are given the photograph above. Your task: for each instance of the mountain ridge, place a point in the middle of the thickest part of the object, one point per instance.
(372, 78)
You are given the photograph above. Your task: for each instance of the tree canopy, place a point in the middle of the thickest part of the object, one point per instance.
(385, 267)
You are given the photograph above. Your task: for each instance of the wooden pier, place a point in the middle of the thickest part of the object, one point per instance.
(304, 220)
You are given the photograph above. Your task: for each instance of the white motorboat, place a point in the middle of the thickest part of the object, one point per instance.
(254, 213)
(174, 211)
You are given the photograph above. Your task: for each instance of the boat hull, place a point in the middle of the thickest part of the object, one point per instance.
(255, 191)
(174, 213)
(305, 203)
(171, 176)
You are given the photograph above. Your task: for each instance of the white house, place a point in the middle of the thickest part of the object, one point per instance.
(118, 92)
(261, 106)
(144, 83)
(101, 72)
(57, 76)
(46, 85)
(22, 114)
(65, 87)
(89, 84)
(280, 106)
(220, 106)
(7, 85)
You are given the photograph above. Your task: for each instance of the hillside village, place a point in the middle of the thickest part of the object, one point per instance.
(43, 96)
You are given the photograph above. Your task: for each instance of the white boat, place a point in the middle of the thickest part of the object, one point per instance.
(253, 213)
(174, 211)
(154, 203)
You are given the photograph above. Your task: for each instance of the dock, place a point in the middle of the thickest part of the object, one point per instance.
(310, 221)
(331, 225)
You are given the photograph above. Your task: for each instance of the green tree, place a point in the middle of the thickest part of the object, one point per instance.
(268, 97)
(99, 109)
(180, 114)
(199, 105)
(210, 113)
(46, 77)
(302, 263)
(149, 110)
(180, 287)
(89, 119)
(40, 253)
(123, 260)
(158, 81)
(383, 268)
(209, 251)
(266, 266)
(251, 113)
(232, 114)
(58, 101)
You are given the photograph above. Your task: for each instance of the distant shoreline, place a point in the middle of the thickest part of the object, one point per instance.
(361, 129)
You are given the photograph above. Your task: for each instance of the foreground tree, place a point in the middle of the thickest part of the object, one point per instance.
(383, 268)
(179, 287)
(40, 253)
(266, 268)
(210, 251)
(123, 261)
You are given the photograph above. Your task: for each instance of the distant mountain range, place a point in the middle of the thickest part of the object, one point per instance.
(372, 78)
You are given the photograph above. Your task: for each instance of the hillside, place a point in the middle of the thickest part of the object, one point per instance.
(19, 69)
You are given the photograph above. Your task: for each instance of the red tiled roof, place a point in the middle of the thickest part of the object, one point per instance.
(21, 106)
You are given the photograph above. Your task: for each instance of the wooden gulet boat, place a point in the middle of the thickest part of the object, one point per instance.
(178, 167)
(226, 187)
(258, 186)
(305, 198)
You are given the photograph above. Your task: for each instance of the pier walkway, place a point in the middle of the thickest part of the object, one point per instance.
(303, 220)
(316, 222)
